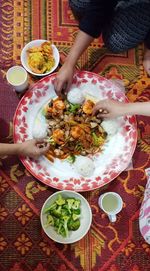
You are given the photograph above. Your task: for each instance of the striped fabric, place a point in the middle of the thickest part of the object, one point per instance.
(144, 220)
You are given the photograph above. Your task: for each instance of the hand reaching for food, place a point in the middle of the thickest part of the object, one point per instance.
(63, 79)
(108, 109)
(33, 148)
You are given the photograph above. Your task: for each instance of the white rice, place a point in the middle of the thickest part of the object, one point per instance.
(39, 130)
(75, 96)
(84, 166)
(110, 126)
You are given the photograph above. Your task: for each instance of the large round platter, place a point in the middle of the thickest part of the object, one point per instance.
(117, 151)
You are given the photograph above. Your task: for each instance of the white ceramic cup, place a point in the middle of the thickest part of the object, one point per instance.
(111, 203)
(18, 78)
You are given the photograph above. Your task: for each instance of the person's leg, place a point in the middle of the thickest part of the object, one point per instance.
(128, 28)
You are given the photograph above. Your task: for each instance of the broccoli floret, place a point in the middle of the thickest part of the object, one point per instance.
(73, 107)
(60, 200)
(73, 225)
(50, 221)
(70, 203)
(76, 204)
(56, 212)
(56, 222)
(65, 212)
(65, 225)
(77, 211)
(75, 217)
(50, 208)
(97, 140)
(71, 158)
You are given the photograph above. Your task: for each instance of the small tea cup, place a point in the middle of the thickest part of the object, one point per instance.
(17, 77)
(111, 203)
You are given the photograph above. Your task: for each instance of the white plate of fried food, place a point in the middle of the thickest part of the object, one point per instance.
(40, 57)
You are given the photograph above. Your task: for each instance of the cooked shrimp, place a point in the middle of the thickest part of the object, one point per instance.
(58, 136)
(88, 107)
(58, 104)
(77, 132)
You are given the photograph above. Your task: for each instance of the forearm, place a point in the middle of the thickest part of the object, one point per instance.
(9, 149)
(139, 108)
(81, 43)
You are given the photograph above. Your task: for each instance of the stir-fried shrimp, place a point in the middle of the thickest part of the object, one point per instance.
(88, 107)
(72, 130)
(77, 132)
(58, 136)
(58, 104)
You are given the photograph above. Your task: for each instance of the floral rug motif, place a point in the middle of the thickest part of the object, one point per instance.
(107, 246)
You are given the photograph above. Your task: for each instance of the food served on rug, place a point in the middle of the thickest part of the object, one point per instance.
(41, 59)
(64, 215)
(72, 130)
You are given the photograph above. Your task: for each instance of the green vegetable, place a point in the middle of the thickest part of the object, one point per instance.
(60, 200)
(51, 141)
(75, 217)
(76, 204)
(96, 140)
(56, 212)
(71, 159)
(63, 215)
(50, 220)
(73, 225)
(73, 107)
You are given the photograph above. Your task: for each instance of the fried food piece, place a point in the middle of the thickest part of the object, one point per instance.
(40, 59)
(77, 132)
(46, 48)
(58, 104)
(36, 62)
(88, 107)
(58, 136)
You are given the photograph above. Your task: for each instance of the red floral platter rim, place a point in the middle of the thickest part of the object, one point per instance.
(72, 184)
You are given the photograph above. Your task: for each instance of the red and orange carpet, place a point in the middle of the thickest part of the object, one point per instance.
(107, 247)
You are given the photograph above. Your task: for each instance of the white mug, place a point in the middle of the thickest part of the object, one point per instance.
(111, 203)
(18, 78)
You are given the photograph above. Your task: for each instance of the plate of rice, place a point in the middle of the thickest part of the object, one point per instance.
(75, 162)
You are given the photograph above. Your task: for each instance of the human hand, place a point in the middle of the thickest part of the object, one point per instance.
(33, 148)
(64, 79)
(146, 61)
(109, 109)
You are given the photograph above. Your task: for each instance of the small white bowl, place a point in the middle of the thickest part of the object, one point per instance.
(36, 43)
(85, 219)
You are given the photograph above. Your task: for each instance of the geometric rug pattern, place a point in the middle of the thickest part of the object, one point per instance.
(107, 246)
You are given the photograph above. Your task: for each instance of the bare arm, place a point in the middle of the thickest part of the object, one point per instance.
(65, 74)
(81, 43)
(139, 108)
(32, 148)
(111, 108)
(8, 149)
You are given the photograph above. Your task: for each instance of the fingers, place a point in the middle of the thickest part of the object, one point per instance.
(104, 116)
(60, 87)
(41, 150)
(44, 149)
(68, 85)
(99, 109)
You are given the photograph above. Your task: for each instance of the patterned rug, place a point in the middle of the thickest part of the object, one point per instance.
(107, 246)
